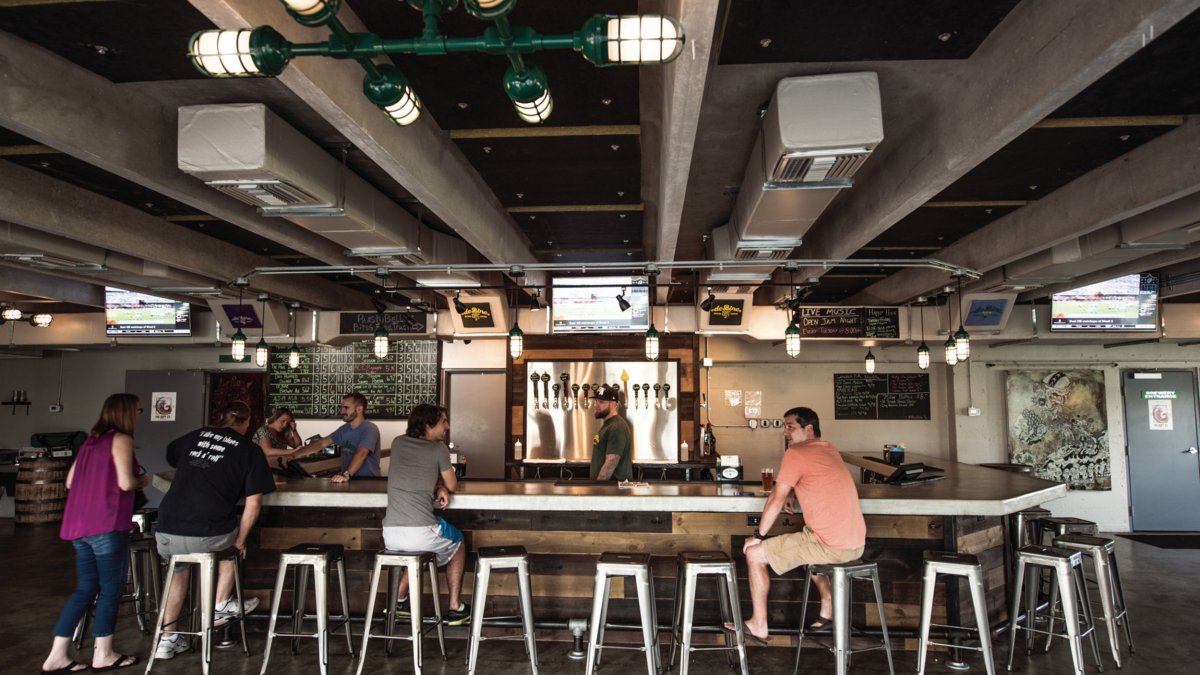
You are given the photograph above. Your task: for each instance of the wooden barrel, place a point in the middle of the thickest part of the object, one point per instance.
(41, 491)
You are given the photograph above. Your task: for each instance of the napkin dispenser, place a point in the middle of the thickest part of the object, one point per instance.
(729, 469)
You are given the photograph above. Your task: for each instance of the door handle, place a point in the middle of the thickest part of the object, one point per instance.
(1191, 451)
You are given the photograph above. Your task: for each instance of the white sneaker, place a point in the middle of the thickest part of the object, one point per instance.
(228, 610)
(171, 645)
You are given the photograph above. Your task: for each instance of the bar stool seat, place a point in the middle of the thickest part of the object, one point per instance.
(206, 580)
(636, 565)
(1067, 584)
(501, 559)
(1102, 552)
(692, 566)
(841, 576)
(955, 565)
(303, 559)
(1058, 526)
(411, 562)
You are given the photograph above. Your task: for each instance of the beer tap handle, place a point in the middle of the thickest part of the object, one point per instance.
(637, 388)
(556, 396)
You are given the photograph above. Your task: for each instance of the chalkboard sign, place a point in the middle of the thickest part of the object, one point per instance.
(895, 396)
(392, 385)
(366, 323)
(877, 323)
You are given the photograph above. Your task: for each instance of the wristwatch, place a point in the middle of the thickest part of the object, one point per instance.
(759, 535)
(344, 474)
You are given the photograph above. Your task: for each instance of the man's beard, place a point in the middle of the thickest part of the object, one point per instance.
(600, 414)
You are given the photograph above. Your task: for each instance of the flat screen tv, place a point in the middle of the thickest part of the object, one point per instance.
(1128, 303)
(129, 313)
(589, 305)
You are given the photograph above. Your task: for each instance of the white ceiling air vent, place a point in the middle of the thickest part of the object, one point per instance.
(44, 261)
(266, 194)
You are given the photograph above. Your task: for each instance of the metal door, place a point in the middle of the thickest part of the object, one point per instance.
(151, 437)
(1164, 466)
(477, 413)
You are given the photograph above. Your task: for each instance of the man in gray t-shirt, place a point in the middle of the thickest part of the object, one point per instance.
(420, 478)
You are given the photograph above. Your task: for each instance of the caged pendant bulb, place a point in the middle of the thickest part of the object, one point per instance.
(237, 347)
(516, 342)
(261, 353)
(869, 362)
(962, 340)
(791, 340)
(951, 347)
(381, 343)
(294, 357)
(652, 344)
(923, 356)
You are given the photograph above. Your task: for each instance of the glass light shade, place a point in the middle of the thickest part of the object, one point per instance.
(11, 314)
(406, 109)
(381, 343)
(537, 111)
(260, 52)
(791, 340)
(261, 352)
(312, 12)
(646, 38)
(869, 362)
(652, 344)
(923, 356)
(390, 91)
(951, 351)
(489, 9)
(237, 348)
(516, 342)
(294, 357)
(962, 341)
(41, 320)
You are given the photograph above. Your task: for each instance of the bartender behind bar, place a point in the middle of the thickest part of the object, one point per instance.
(612, 447)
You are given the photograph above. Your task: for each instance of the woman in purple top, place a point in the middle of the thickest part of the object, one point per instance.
(97, 521)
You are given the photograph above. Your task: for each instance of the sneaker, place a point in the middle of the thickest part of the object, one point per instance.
(228, 610)
(403, 608)
(457, 617)
(171, 645)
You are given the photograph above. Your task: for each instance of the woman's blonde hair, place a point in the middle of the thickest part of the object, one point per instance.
(280, 412)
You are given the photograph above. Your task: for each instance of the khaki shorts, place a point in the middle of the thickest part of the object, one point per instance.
(789, 551)
(179, 544)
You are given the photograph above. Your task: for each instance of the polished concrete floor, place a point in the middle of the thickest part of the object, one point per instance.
(1163, 588)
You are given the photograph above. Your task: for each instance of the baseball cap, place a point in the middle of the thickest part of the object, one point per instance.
(608, 394)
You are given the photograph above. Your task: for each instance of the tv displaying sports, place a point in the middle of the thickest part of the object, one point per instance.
(1128, 303)
(130, 313)
(589, 304)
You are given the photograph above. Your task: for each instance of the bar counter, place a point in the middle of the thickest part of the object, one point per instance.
(565, 528)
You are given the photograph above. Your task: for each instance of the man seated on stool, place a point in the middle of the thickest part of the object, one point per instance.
(420, 476)
(834, 529)
(358, 438)
(216, 467)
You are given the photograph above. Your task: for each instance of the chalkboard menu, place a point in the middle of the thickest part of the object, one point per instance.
(895, 396)
(392, 385)
(880, 323)
(408, 323)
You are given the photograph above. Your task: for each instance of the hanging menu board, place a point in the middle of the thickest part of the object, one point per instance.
(895, 396)
(392, 385)
(877, 323)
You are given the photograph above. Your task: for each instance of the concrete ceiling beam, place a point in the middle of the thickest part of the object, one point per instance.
(1040, 56)
(40, 285)
(1144, 264)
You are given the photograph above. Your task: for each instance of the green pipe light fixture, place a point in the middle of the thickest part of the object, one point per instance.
(652, 337)
(604, 40)
(237, 344)
(261, 351)
(869, 362)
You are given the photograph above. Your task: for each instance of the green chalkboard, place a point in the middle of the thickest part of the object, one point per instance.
(392, 385)
(875, 323)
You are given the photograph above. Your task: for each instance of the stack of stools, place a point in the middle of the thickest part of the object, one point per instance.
(412, 563)
(1026, 528)
(692, 566)
(204, 576)
(1067, 585)
(144, 582)
(841, 576)
(501, 559)
(954, 565)
(637, 566)
(1112, 597)
(317, 559)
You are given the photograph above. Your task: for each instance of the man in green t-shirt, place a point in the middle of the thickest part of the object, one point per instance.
(612, 447)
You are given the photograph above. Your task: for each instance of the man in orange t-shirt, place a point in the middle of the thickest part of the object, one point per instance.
(834, 529)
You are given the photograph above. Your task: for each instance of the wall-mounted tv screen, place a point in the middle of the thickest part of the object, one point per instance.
(1127, 303)
(589, 304)
(129, 313)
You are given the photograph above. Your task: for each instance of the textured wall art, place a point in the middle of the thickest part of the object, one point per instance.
(1057, 423)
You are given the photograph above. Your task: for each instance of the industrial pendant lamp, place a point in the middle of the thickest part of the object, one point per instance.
(951, 345)
(604, 40)
(516, 337)
(962, 339)
(869, 362)
(39, 320)
(923, 350)
(237, 345)
(652, 332)
(260, 350)
(381, 336)
(294, 352)
(791, 336)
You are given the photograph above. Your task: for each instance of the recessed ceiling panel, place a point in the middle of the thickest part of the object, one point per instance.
(932, 227)
(604, 232)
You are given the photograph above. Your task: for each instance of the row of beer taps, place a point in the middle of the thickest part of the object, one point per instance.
(566, 396)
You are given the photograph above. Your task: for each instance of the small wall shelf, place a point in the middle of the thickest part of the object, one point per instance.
(14, 405)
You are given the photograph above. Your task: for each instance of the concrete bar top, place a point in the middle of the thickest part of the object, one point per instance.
(967, 490)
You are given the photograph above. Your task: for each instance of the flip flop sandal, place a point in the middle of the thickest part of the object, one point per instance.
(122, 661)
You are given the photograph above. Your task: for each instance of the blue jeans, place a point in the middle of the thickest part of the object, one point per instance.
(100, 565)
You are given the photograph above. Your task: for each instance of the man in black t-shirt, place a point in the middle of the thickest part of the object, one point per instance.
(216, 467)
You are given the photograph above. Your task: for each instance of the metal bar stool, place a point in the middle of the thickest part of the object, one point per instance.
(143, 584)
(412, 563)
(1068, 585)
(206, 578)
(692, 566)
(1112, 597)
(955, 565)
(842, 575)
(1057, 527)
(317, 559)
(636, 565)
(500, 559)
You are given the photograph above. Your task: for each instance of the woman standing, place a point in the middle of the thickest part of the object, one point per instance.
(278, 436)
(97, 521)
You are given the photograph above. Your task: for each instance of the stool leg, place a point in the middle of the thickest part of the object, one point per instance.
(653, 617)
(1067, 595)
(979, 603)
(373, 592)
(479, 595)
(841, 620)
(735, 615)
(416, 588)
(437, 608)
(321, 589)
(887, 641)
(158, 624)
(341, 570)
(1089, 620)
(81, 627)
(299, 600)
(389, 620)
(241, 604)
(1107, 601)
(1056, 592)
(603, 619)
(139, 590)
(689, 614)
(523, 587)
(1015, 627)
(1119, 594)
(599, 599)
(723, 605)
(803, 619)
(207, 601)
(929, 579)
(275, 598)
(676, 614)
(649, 627)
